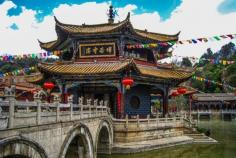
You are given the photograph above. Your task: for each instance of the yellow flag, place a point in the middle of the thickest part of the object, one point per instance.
(224, 62)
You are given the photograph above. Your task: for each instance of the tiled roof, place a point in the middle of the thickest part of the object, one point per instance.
(21, 82)
(91, 29)
(34, 78)
(214, 97)
(47, 44)
(156, 36)
(164, 73)
(105, 28)
(84, 68)
(111, 67)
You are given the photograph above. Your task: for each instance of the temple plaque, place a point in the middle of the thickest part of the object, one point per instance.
(97, 50)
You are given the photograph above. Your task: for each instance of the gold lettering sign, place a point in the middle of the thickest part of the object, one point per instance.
(97, 50)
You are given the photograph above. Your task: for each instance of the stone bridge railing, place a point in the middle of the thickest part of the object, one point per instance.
(144, 129)
(212, 111)
(21, 113)
(147, 123)
(228, 111)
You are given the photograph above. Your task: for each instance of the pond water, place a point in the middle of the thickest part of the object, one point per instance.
(222, 131)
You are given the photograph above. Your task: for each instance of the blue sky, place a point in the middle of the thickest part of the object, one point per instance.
(228, 6)
(33, 19)
(163, 7)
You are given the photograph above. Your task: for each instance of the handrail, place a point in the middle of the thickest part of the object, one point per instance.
(16, 111)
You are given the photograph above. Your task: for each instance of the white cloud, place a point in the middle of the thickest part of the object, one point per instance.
(200, 19)
(89, 13)
(194, 18)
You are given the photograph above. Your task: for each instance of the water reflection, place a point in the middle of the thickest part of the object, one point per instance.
(223, 131)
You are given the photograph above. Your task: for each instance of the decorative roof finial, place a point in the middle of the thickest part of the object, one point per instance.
(128, 16)
(111, 14)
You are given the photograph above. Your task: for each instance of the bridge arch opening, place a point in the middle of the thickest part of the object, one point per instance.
(78, 144)
(78, 148)
(104, 138)
(19, 147)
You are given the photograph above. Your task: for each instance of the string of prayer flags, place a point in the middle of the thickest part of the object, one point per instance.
(213, 61)
(189, 41)
(41, 55)
(212, 82)
(18, 72)
(223, 62)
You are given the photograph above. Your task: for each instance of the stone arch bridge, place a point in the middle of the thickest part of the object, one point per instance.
(53, 130)
(35, 130)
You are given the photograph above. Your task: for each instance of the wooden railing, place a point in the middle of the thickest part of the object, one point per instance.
(18, 113)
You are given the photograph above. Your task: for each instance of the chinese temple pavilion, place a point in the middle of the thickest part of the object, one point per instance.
(98, 65)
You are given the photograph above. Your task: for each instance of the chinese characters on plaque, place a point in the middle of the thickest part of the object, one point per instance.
(97, 50)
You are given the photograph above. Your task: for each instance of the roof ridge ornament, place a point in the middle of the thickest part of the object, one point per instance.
(128, 16)
(111, 15)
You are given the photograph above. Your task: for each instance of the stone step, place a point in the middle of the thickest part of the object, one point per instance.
(134, 147)
(139, 138)
(202, 138)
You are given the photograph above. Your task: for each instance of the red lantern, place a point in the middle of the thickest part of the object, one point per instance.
(174, 94)
(127, 82)
(181, 90)
(48, 85)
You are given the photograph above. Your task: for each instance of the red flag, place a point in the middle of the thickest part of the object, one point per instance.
(230, 36)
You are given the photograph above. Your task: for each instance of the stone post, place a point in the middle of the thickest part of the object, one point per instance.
(89, 105)
(11, 111)
(27, 109)
(56, 100)
(137, 120)
(126, 121)
(148, 119)
(101, 105)
(198, 115)
(81, 106)
(38, 103)
(95, 104)
(157, 118)
(107, 107)
(70, 101)
(10, 96)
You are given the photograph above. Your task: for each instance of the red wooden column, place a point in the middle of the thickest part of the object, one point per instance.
(118, 96)
(120, 104)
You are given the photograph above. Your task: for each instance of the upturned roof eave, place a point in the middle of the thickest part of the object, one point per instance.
(179, 76)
